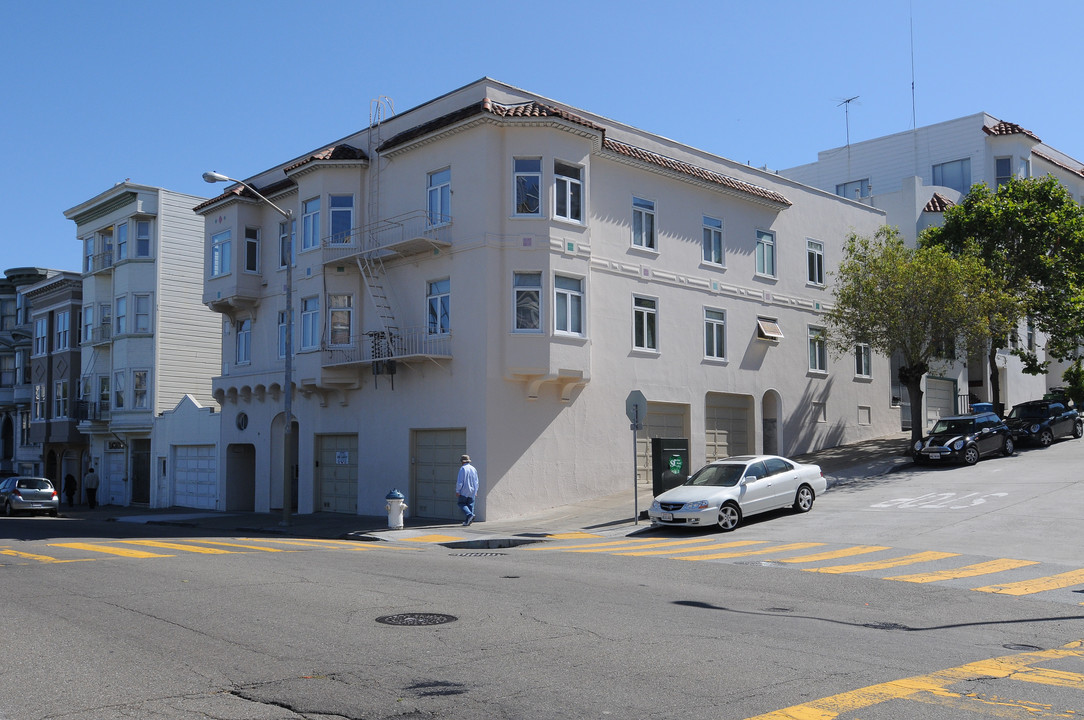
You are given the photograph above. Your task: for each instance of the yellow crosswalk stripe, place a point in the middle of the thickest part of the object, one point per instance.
(983, 568)
(109, 550)
(38, 558)
(239, 545)
(699, 548)
(611, 543)
(178, 546)
(1029, 587)
(883, 564)
(323, 544)
(835, 554)
(643, 546)
(759, 551)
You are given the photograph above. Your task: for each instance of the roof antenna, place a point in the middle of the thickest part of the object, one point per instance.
(847, 110)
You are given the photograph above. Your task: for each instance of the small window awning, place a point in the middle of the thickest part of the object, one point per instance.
(768, 330)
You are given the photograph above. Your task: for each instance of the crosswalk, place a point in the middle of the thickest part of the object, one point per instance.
(148, 549)
(1002, 576)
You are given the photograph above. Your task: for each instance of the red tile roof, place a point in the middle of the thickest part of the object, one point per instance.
(938, 203)
(698, 172)
(1008, 128)
(335, 152)
(241, 191)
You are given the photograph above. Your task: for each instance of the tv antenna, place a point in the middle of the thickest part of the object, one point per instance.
(847, 110)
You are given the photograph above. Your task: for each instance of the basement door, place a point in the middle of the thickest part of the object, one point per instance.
(435, 462)
(195, 476)
(337, 473)
(940, 400)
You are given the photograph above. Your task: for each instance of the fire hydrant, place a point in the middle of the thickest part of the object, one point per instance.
(395, 508)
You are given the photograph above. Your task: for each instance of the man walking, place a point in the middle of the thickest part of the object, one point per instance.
(466, 488)
(90, 484)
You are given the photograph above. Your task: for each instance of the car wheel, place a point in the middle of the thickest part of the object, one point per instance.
(971, 455)
(1009, 447)
(8, 510)
(729, 517)
(1046, 438)
(803, 499)
(1078, 429)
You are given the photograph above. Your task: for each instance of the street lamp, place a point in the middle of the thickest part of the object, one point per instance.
(287, 431)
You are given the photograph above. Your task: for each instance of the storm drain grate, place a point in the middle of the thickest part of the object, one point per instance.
(415, 619)
(477, 554)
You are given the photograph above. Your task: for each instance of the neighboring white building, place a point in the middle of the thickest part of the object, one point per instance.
(147, 339)
(493, 272)
(914, 176)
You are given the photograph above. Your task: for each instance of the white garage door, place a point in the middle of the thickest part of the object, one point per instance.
(940, 400)
(436, 465)
(662, 421)
(195, 476)
(726, 426)
(337, 473)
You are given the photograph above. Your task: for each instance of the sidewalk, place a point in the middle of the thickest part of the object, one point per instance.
(611, 515)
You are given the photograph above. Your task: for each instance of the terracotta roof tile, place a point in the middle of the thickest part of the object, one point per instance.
(1008, 128)
(335, 152)
(698, 172)
(938, 203)
(241, 191)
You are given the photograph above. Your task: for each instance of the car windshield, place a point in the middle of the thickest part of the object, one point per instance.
(956, 427)
(1027, 412)
(717, 475)
(35, 484)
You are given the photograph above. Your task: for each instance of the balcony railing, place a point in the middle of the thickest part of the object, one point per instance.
(101, 261)
(99, 334)
(86, 410)
(379, 346)
(392, 234)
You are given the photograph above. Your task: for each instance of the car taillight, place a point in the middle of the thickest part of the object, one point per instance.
(16, 493)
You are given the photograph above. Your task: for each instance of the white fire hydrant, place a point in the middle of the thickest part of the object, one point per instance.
(395, 508)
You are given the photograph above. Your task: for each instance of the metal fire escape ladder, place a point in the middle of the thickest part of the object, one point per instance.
(369, 262)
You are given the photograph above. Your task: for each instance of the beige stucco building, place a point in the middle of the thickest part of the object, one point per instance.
(492, 272)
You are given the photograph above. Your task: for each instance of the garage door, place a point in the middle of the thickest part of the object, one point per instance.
(726, 426)
(940, 400)
(436, 464)
(337, 473)
(662, 421)
(195, 476)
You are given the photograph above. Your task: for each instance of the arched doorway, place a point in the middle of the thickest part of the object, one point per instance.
(275, 497)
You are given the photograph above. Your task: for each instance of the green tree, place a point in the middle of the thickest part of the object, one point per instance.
(1030, 236)
(918, 302)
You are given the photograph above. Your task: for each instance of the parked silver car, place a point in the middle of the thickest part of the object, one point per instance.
(28, 494)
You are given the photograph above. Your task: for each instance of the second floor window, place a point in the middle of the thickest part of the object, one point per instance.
(568, 305)
(244, 342)
(104, 393)
(643, 223)
(140, 389)
(118, 390)
(310, 323)
(142, 309)
(765, 253)
(252, 250)
(41, 336)
(568, 191)
(528, 186)
(310, 223)
(120, 319)
(143, 238)
(644, 317)
(439, 302)
(439, 197)
(527, 287)
(714, 334)
(88, 323)
(955, 174)
(713, 240)
(863, 360)
(818, 350)
(62, 320)
(814, 252)
(341, 210)
(60, 400)
(340, 313)
(122, 241)
(220, 254)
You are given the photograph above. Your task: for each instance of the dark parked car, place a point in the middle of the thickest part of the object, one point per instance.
(1042, 421)
(964, 438)
(28, 494)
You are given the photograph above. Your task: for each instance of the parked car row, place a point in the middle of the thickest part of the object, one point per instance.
(969, 438)
(28, 494)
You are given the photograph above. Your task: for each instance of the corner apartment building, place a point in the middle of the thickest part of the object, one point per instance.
(492, 273)
(914, 177)
(147, 339)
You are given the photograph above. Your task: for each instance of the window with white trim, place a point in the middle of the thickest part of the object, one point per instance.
(310, 223)
(143, 239)
(341, 217)
(643, 223)
(713, 241)
(439, 303)
(60, 399)
(62, 330)
(568, 191)
(955, 174)
(220, 253)
(39, 402)
(252, 250)
(244, 342)
(122, 241)
(104, 393)
(527, 301)
(340, 313)
(863, 360)
(140, 389)
(118, 390)
(645, 323)
(310, 323)
(765, 253)
(714, 334)
(41, 336)
(1002, 170)
(818, 350)
(120, 316)
(439, 197)
(567, 305)
(88, 254)
(527, 186)
(141, 306)
(814, 254)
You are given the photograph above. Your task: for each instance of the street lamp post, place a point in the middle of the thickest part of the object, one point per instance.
(287, 431)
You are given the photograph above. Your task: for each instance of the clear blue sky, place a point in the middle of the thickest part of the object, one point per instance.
(158, 92)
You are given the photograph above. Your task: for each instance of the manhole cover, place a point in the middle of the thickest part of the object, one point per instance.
(478, 554)
(416, 619)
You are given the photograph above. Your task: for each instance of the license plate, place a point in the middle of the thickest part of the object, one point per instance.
(935, 456)
(667, 516)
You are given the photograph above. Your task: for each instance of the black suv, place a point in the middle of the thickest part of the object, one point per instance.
(1041, 421)
(964, 438)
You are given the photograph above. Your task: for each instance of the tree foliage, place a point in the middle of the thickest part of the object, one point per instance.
(922, 303)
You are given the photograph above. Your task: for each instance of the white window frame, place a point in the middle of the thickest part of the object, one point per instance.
(938, 173)
(118, 390)
(818, 349)
(340, 317)
(60, 399)
(141, 389)
(62, 320)
(120, 315)
(143, 239)
(41, 335)
(527, 301)
(568, 305)
(814, 261)
(765, 254)
(340, 210)
(88, 254)
(438, 306)
(141, 313)
(243, 344)
(121, 239)
(714, 333)
(714, 251)
(438, 196)
(863, 361)
(252, 250)
(644, 231)
(310, 322)
(645, 323)
(220, 253)
(526, 185)
(568, 191)
(310, 223)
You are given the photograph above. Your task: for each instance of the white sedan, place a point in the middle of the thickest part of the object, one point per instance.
(727, 490)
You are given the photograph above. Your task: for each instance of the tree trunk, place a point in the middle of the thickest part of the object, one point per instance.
(910, 377)
(995, 380)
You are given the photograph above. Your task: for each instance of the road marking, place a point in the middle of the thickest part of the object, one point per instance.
(985, 568)
(701, 548)
(1028, 587)
(760, 551)
(836, 554)
(325, 544)
(38, 558)
(1016, 667)
(434, 538)
(573, 536)
(883, 564)
(123, 552)
(612, 543)
(177, 546)
(239, 545)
